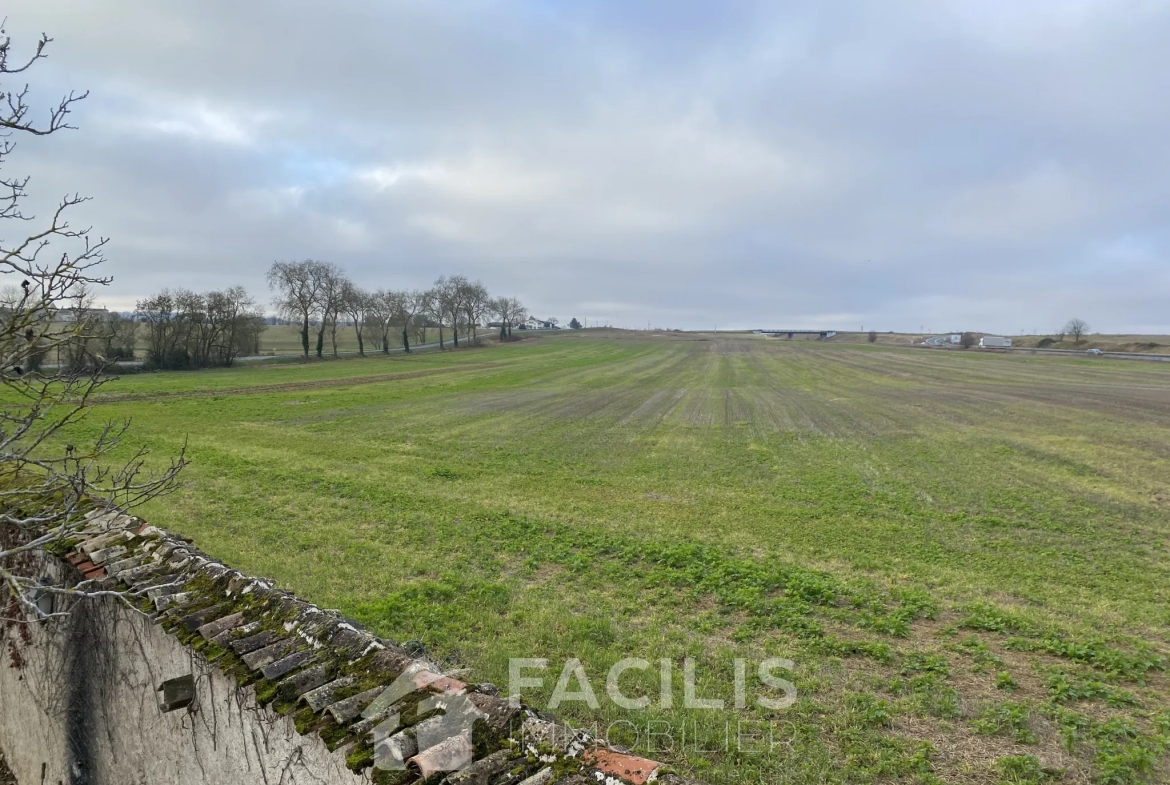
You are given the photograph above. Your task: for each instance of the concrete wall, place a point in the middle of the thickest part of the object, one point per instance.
(78, 706)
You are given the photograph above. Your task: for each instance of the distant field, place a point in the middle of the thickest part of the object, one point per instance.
(286, 339)
(1156, 344)
(965, 555)
(1152, 344)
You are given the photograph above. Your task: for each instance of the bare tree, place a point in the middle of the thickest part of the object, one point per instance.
(475, 305)
(452, 292)
(481, 310)
(422, 321)
(967, 340)
(48, 480)
(197, 330)
(1076, 328)
(157, 315)
(297, 286)
(519, 314)
(118, 336)
(412, 303)
(329, 300)
(238, 325)
(436, 306)
(385, 308)
(502, 310)
(355, 303)
(86, 350)
(509, 311)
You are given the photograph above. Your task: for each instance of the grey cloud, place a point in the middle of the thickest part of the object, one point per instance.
(996, 166)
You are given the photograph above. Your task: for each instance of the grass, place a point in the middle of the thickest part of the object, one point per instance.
(964, 555)
(286, 339)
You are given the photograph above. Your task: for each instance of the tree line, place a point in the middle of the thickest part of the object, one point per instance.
(186, 329)
(320, 298)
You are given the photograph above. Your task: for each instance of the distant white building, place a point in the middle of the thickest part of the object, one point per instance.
(76, 315)
(955, 338)
(532, 323)
(995, 342)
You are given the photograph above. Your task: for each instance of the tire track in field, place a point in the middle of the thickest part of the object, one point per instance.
(317, 384)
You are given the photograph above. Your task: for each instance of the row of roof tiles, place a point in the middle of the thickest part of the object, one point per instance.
(386, 710)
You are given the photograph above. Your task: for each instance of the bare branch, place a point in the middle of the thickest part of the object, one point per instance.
(49, 480)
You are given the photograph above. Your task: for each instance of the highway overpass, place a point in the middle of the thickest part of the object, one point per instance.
(821, 334)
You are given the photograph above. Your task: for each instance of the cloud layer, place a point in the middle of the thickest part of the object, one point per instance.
(949, 165)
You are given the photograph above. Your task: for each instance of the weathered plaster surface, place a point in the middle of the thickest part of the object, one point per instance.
(83, 709)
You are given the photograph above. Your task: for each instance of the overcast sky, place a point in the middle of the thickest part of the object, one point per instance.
(996, 165)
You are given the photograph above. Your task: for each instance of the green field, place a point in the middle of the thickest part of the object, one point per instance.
(286, 339)
(965, 555)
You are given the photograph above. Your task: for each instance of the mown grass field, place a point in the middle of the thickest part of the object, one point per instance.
(965, 555)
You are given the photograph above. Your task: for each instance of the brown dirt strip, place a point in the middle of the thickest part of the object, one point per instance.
(261, 389)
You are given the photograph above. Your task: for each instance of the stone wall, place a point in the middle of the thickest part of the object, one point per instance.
(83, 708)
(261, 687)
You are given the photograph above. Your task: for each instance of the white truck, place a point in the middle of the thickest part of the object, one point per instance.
(995, 342)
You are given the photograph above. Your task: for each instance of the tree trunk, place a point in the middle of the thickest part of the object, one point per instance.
(405, 341)
(441, 336)
(333, 336)
(321, 339)
(503, 333)
(305, 335)
(386, 342)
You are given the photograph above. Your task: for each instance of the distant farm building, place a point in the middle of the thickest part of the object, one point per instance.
(532, 323)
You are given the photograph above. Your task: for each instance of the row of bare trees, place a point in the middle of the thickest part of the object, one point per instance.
(320, 299)
(186, 329)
